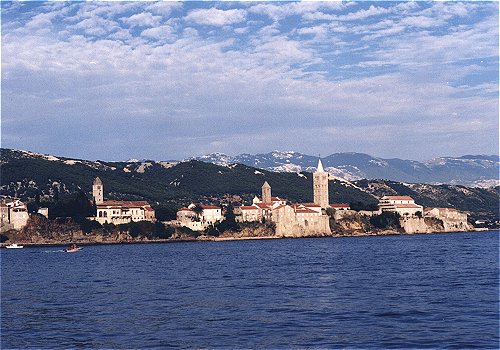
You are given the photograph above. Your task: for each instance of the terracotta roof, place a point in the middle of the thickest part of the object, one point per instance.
(399, 198)
(310, 205)
(280, 206)
(450, 209)
(203, 206)
(339, 205)
(263, 205)
(407, 206)
(248, 207)
(128, 204)
(305, 210)
(184, 209)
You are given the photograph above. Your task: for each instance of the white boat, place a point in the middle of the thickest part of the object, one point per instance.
(14, 246)
(72, 249)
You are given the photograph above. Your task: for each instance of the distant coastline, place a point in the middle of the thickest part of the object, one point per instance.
(225, 238)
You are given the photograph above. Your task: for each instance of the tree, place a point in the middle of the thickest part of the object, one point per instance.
(166, 212)
(386, 220)
(229, 223)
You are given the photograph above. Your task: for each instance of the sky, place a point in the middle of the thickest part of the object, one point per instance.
(171, 80)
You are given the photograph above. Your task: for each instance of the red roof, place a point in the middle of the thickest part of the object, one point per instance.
(407, 206)
(123, 204)
(305, 210)
(400, 198)
(311, 205)
(248, 207)
(184, 209)
(339, 205)
(263, 205)
(203, 206)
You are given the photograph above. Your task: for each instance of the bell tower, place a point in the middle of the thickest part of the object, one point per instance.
(320, 186)
(98, 191)
(266, 193)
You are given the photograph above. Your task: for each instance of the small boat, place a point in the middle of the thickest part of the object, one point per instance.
(14, 246)
(73, 248)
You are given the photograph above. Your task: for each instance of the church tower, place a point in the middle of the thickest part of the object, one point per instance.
(266, 193)
(320, 186)
(97, 191)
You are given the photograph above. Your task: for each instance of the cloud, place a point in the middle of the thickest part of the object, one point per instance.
(161, 32)
(296, 84)
(216, 17)
(144, 19)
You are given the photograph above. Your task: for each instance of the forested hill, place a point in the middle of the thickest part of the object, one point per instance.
(27, 175)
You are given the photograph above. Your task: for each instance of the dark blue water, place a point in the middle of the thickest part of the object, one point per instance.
(416, 291)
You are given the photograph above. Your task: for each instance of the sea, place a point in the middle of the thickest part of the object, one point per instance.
(376, 292)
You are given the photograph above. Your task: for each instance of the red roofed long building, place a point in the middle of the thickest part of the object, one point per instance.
(119, 212)
(403, 205)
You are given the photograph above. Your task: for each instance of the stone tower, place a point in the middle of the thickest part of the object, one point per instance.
(266, 193)
(320, 186)
(98, 191)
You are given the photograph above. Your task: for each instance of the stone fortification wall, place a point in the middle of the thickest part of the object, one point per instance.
(430, 224)
(416, 225)
(451, 225)
(288, 227)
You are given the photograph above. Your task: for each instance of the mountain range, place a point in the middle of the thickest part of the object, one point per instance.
(469, 170)
(28, 175)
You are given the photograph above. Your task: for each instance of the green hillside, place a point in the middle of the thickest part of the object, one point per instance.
(24, 177)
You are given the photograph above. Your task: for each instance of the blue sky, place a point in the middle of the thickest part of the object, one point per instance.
(169, 80)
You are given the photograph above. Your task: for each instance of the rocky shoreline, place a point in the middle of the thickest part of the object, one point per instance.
(210, 239)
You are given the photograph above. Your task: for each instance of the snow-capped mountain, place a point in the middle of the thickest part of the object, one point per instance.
(471, 170)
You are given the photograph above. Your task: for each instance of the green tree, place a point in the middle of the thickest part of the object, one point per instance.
(386, 220)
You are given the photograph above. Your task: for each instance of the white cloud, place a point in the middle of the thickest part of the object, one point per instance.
(144, 19)
(276, 81)
(161, 32)
(216, 17)
(164, 8)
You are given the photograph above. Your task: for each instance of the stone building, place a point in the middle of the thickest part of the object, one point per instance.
(340, 206)
(119, 212)
(403, 205)
(453, 219)
(320, 186)
(198, 217)
(98, 191)
(291, 220)
(14, 213)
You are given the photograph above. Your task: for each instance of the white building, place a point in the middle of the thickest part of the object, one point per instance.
(198, 217)
(403, 205)
(119, 212)
(14, 213)
(123, 212)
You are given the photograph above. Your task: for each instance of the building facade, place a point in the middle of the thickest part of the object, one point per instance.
(320, 186)
(98, 191)
(403, 205)
(119, 212)
(291, 220)
(198, 217)
(14, 213)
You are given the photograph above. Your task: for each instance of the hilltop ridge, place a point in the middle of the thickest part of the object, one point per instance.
(27, 174)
